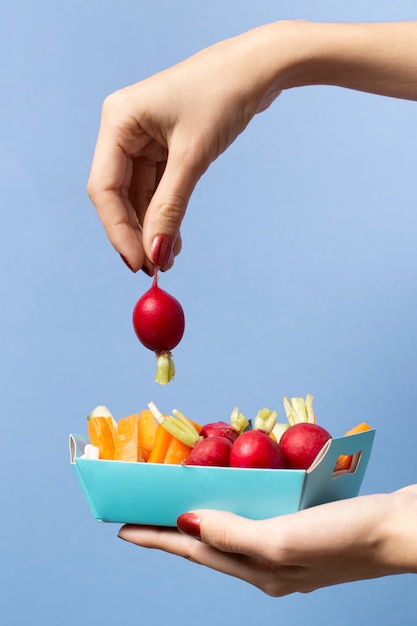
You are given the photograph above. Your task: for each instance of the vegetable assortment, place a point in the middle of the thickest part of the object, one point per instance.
(152, 437)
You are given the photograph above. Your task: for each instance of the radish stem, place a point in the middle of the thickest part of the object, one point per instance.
(265, 420)
(238, 420)
(165, 368)
(309, 406)
(300, 410)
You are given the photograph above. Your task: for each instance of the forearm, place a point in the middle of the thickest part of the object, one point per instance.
(379, 58)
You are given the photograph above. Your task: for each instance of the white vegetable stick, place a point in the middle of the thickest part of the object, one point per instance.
(299, 407)
(90, 452)
(309, 406)
(290, 413)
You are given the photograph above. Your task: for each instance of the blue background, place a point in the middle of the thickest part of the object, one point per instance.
(298, 274)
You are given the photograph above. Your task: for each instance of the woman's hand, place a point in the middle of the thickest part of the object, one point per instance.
(157, 138)
(356, 539)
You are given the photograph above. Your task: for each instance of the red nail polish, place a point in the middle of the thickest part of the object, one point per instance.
(147, 271)
(126, 262)
(161, 250)
(189, 524)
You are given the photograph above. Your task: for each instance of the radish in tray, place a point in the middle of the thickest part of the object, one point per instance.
(301, 444)
(214, 450)
(231, 430)
(255, 448)
(159, 323)
(304, 439)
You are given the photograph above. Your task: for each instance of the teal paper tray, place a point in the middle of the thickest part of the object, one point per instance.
(156, 494)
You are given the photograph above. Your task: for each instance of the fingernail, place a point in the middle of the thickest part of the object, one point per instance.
(125, 533)
(161, 250)
(126, 262)
(120, 533)
(189, 524)
(147, 270)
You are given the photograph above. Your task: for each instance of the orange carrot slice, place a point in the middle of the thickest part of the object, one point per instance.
(198, 427)
(345, 460)
(177, 452)
(146, 433)
(126, 443)
(359, 428)
(101, 436)
(162, 440)
(112, 425)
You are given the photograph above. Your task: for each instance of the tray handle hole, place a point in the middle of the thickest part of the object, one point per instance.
(348, 464)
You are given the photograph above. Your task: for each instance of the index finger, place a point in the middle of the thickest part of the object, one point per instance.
(108, 185)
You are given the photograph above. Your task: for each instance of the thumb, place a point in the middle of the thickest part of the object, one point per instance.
(162, 221)
(226, 531)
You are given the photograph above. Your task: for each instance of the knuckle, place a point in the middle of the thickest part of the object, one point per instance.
(113, 102)
(192, 551)
(172, 211)
(96, 193)
(92, 191)
(276, 589)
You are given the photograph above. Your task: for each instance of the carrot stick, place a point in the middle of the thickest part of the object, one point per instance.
(112, 425)
(177, 452)
(344, 461)
(101, 436)
(162, 441)
(146, 433)
(126, 443)
(198, 427)
(359, 428)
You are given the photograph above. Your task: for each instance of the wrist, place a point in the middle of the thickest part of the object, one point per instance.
(279, 56)
(400, 531)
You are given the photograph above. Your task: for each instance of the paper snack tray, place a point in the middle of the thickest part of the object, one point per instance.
(156, 494)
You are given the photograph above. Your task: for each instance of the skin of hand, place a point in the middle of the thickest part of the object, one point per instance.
(158, 137)
(350, 540)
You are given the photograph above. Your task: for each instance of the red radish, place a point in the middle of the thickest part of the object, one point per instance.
(220, 429)
(301, 444)
(213, 451)
(256, 449)
(158, 320)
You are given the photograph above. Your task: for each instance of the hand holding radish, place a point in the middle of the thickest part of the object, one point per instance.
(157, 137)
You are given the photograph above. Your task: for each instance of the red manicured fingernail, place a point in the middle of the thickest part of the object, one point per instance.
(126, 262)
(189, 524)
(147, 270)
(161, 250)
